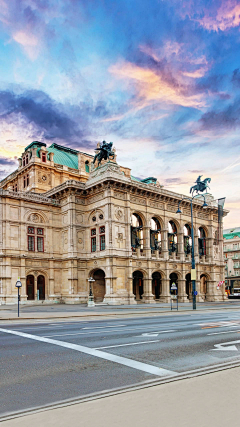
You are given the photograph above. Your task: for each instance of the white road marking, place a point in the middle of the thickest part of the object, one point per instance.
(154, 370)
(225, 332)
(124, 345)
(229, 347)
(103, 327)
(105, 332)
(155, 334)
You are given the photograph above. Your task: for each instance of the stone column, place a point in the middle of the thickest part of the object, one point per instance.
(181, 246)
(165, 244)
(165, 295)
(148, 296)
(146, 242)
(196, 252)
(182, 296)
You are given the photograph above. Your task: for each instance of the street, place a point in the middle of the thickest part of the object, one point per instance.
(43, 362)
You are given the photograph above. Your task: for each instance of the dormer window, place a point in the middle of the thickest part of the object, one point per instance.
(26, 159)
(44, 157)
(23, 162)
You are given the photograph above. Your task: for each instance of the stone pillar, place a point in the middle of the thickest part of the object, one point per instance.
(148, 296)
(165, 295)
(165, 244)
(196, 252)
(181, 246)
(146, 242)
(182, 296)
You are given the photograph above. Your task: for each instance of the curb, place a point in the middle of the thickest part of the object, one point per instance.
(107, 314)
(120, 390)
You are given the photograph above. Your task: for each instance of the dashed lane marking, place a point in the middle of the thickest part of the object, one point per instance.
(150, 369)
(124, 345)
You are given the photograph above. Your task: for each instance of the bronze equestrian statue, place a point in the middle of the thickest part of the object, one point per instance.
(104, 152)
(201, 185)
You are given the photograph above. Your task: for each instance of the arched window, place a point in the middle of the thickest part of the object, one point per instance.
(136, 232)
(172, 237)
(155, 235)
(187, 239)
(201, 241)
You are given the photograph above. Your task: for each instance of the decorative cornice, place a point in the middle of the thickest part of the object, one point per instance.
(33, 197)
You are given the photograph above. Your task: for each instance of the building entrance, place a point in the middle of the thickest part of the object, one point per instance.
(156, 285)
(138, 285)
(188, 286)
(99, 285)
(41, 287)
(30, 287)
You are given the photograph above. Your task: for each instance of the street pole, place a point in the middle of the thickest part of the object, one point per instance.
(18, 285)
(193, 270)
(193, 263)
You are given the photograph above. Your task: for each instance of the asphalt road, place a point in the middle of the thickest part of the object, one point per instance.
(46, 362)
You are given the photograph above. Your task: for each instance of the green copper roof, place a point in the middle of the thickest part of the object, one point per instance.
(35, 144)
(64, 156)
(230, 233)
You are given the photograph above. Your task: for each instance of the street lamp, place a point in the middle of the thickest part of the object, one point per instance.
(91, 302)
(193, 271)
(18, 285)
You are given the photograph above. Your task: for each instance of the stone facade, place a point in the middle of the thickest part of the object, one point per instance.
(78, 223)
(231, 250)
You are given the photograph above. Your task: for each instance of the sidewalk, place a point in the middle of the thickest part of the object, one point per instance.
(203, 401)
(65, 311)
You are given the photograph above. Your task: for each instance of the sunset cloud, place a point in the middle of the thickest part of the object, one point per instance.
(150, 87)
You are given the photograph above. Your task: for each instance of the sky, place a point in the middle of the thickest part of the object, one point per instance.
(159, 78)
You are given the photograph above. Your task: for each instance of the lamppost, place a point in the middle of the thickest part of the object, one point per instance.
(193, 271)
(91, 302)
(18, 285)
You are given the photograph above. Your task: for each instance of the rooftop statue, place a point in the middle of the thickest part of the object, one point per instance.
(104, 152)
(201, 185)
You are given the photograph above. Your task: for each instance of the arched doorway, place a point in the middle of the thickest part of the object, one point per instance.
(188, 286)
(173, 278)
(203, 285)
(138, 284)
(41, 287)
(30, 287)
(99, 285)
(156, 284)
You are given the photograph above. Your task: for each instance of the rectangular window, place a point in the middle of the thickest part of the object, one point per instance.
(93, 240)
(27, 180)
(102, 238)
(40, 231)
(93, 244)
(23, 161)
(31, 230)
(16, 187)
(44, 157)
(24, 181)
(26, 159)
(31, 243)
(102, 242)
(40, 247)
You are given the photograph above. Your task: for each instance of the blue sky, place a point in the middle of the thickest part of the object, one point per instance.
(159, 78)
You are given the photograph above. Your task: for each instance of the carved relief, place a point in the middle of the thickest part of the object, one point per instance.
(172, 208)
(138, 200)
(80, 239)
(202, 215)
(119, 195)
(119, 213)
(95, 198)
(35, 218)
(156, 205)
(80, 201)
(79, 218)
